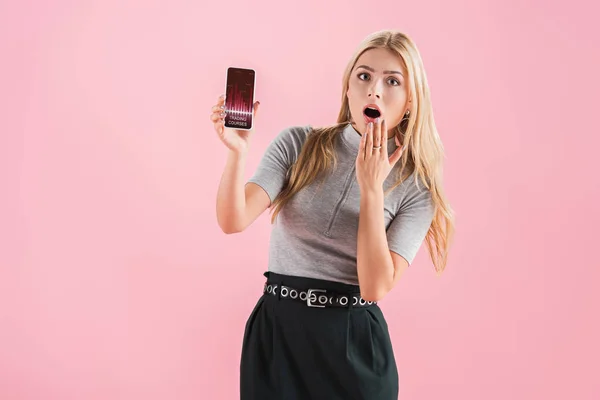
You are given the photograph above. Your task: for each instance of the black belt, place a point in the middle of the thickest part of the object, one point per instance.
(317, 297)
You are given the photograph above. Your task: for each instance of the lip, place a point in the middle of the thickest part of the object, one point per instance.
(375, 106)
(369, 119)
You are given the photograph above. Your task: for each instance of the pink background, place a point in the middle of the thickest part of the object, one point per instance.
(111, 259)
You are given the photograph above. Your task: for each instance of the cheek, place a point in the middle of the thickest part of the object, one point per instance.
(396, 94)
(351, 97)
(397, 100)
(351, 90)
(394, 106)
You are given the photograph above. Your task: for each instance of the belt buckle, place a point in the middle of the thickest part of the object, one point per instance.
(309, 300)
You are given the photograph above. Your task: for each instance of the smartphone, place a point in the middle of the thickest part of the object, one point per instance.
(239, 98)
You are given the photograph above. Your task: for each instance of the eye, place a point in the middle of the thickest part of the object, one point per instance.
(394, 82)
(363, 74)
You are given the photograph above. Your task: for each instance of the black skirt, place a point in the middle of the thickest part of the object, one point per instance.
(295, 352)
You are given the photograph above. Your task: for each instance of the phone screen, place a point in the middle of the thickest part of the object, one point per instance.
(239, 98)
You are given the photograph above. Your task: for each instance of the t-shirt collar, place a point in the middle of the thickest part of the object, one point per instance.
(352, 138)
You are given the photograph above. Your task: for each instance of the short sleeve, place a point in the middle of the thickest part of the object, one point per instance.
(408, 229)
(281, 153)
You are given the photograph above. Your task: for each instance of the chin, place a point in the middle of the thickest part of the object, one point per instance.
(359, 124)
(360, 128)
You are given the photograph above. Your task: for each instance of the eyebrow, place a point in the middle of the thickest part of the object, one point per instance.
(385, 72)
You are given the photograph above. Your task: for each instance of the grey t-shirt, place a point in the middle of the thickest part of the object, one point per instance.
(315, 234)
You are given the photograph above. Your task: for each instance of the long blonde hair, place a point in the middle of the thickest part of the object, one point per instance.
(423, 150)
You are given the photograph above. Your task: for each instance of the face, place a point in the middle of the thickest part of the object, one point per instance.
(377, 88)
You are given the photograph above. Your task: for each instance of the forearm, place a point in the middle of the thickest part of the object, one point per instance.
(374, 261)
(231, 198)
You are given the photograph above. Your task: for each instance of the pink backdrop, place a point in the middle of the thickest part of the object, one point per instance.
(111, 258)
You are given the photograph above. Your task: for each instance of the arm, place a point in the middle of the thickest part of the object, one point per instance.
(378, 268)
(238, 205)
(383, 255)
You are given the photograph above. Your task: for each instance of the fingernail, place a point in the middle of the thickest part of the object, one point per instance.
(377, 120)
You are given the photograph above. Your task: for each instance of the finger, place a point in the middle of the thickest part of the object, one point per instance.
(369, 144)
(397, 140)
(384, 133)
(219, 127)
(218, 108)
(362, 145)
(217, 116)
(377, 133)
(397, 153)
(256, 105)
(396, 156)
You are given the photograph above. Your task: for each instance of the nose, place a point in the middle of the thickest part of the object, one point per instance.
(375, 89)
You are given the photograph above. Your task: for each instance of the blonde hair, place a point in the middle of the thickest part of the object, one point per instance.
(423, 150)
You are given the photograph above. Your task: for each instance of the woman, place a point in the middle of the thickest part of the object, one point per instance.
(352, 203)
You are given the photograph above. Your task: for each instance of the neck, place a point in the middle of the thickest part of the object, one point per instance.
(390, 133)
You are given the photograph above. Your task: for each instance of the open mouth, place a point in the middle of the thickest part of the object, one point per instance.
(372, 112)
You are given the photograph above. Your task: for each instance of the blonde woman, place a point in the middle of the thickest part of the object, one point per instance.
(352, 204)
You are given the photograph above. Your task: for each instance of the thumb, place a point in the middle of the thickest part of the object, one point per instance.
(396, 156)
(397, 153)
(256, 105)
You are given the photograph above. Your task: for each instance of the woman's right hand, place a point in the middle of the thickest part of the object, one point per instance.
(236, 140)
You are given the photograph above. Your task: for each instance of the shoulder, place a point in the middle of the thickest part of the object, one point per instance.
(289, 140)
(295, 134)
(416, 194)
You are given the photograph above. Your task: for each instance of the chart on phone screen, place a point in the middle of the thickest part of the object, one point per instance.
(239, 98)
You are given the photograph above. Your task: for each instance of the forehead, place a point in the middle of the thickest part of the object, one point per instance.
(381, 60)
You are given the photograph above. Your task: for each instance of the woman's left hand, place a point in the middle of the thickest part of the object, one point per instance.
(373, 164)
